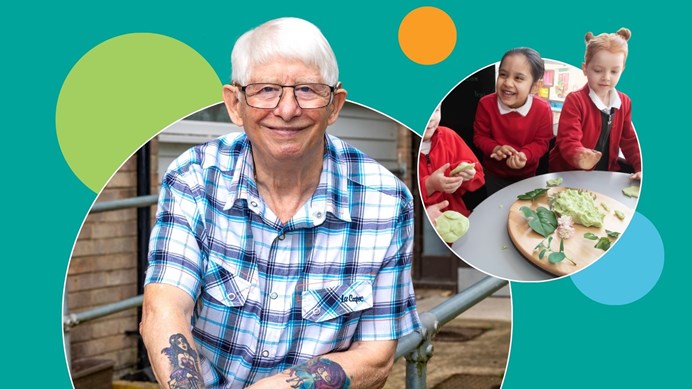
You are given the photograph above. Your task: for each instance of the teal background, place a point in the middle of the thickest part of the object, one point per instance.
(560, 337)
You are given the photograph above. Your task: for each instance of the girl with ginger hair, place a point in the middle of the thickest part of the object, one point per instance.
(596, 121)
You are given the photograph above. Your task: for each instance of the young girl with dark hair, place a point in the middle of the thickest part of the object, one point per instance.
(512, 128)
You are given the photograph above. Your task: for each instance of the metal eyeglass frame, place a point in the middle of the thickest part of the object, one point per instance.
(332, 89)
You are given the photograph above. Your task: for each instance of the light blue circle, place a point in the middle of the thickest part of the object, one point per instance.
(630, 268)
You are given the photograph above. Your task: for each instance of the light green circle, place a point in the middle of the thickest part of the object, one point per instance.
(122, 93)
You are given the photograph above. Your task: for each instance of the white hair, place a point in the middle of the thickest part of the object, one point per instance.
(289, 38)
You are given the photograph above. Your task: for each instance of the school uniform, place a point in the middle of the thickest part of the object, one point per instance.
(527, 129)
(583, 120)
(447, 146)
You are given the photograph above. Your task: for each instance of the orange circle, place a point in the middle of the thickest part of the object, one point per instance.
(427, 35)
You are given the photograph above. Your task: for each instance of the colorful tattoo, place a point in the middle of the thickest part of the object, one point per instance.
(184, 361)
(318, 373)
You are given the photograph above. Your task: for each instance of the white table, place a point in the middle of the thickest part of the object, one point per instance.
(487, 245)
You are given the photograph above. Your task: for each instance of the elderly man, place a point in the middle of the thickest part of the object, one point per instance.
(280, 257)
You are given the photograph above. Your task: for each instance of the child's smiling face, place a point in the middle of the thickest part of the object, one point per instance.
(433, 123)
(603, 71)
(514, 81)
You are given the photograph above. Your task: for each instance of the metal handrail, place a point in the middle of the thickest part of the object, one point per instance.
(446, 311)
(432, 320)
(417, 347)
(132, 202)
(74, 319)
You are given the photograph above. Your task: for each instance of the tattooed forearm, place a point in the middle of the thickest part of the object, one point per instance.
(318, 373)
(183, 358)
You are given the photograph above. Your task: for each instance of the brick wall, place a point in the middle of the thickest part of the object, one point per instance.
(103, 270)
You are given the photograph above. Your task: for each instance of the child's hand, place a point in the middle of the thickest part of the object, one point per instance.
(517, 161)
(434, 211)
(467, 174)
(438, 182)
(636, 176)
(501, 152)
(586, 159)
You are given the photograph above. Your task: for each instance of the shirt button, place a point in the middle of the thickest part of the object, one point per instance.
(318, 214)
(253, 203)
(265, 353)
(231, 296)
(274, 295)
(282, 236)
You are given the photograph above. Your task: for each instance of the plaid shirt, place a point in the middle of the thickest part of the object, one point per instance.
(271, 295)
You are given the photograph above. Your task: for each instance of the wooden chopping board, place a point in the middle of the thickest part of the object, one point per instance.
(577, 248)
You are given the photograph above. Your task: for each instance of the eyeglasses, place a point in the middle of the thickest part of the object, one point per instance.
(267, 96)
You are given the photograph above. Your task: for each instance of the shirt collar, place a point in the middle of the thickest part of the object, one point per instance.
(615, 101)
(330, 196)
(243, 185)
(333, 188)
(425, 146)
(523, 110)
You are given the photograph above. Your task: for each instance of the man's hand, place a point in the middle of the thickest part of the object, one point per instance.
(636, 176)
(364, 365)
(317, 372)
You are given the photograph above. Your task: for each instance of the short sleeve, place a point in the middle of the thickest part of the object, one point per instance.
(393, 314)
(176, 241)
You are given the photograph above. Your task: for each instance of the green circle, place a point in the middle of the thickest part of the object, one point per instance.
(122, 93)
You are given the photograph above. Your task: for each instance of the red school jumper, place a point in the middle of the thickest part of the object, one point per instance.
(580, 126)
(447, 146)
(530, 134)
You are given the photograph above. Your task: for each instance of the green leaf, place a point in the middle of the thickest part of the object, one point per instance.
(591, 236)
(613, 234)
(534, 194)
(543, 220)
(562, 245)
(528, 212)
(545, 223)
(603, 244)
(542, 254)
(556, 257)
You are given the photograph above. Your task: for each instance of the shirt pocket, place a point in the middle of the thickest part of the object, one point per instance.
(223, 286)
(324, 304)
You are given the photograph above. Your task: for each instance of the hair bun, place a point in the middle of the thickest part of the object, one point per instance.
(625, 33)
(588, 36)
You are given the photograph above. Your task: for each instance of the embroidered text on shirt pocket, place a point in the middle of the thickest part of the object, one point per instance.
(223, 286)
(327, 303)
